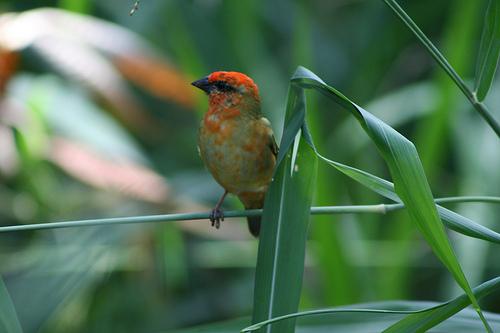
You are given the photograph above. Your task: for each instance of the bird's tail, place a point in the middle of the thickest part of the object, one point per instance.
(253, 200)
(254, 225)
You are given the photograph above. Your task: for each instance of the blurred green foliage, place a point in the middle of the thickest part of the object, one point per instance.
(98, 123)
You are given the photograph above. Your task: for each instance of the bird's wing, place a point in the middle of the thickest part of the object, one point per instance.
(272, 140)
(274, 147)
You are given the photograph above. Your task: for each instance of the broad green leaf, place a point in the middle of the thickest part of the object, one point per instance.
(406, 169)
(280, 262)
(294, 120)
(414, 320)
(385, 188)
(466, 226)
(9, 323)
(489, 51)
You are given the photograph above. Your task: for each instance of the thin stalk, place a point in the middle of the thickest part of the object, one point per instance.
(441, 60)
(380, 209)
(356, 209)
(468, 199)
(393, 207)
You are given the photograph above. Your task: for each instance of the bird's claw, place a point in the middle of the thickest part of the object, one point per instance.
(216, 216)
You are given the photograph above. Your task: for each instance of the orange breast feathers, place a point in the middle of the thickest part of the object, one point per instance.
(221, 108)
(213, 120)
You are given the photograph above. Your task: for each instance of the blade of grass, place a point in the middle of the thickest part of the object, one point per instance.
(295, 315)
(361, 322)
(285, 219)
(385, 188)
(416, 321)
(441, 60)
(423, 321)
(489, 51)
(406, 169)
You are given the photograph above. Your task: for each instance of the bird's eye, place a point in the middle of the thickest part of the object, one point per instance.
(224, 87)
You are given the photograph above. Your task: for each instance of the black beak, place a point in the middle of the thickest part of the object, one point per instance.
(203, 84)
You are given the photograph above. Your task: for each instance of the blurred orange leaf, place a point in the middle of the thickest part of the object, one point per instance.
(158, 78)
(127, 178)
(8, 65)
(98, 54)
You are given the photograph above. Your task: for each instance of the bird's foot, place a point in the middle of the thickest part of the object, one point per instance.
(216, 216)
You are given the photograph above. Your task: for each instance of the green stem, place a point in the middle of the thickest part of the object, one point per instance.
(468, 199)
(392, 207)
(186, 216)
(377, 209)
(441, 60)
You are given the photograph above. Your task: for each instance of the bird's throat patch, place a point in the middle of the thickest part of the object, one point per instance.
(214, 118)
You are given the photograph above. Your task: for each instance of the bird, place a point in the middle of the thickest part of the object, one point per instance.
(236, 142)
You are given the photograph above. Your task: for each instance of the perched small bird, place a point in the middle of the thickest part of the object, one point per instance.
(236, 142)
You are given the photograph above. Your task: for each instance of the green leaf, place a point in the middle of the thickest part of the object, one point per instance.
(9, 323)
(407, 172)
(466, 226)
(414, 320)
(280, 262)
(385, 188)
(353, 319)
(489, 51)
(421, 322)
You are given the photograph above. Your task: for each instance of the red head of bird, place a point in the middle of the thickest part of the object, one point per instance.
(228, 90)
